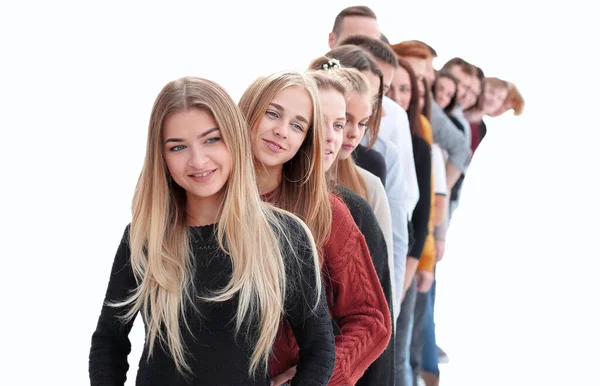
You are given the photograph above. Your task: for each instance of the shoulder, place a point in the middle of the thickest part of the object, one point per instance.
(420, 146)
(284, 221)
(373, 156)
(341, 217)
(393, 109)
(126, 235)
(374, 184)
(351, 199)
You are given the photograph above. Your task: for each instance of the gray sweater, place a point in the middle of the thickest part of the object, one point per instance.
(449, 138)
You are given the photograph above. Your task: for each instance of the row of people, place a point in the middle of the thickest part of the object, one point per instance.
(285, 238)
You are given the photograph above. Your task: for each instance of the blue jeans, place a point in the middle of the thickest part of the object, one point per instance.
(430, 353)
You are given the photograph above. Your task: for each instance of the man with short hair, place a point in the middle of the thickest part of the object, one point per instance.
(354, 21)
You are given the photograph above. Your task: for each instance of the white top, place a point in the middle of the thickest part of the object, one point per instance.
(395, 196)
(438, 167)
(396, 129)
(381, 207)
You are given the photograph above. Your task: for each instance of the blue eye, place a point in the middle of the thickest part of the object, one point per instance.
(272, 113)
(213, 140)
(177, 148)
(339, 126)
(297, 127)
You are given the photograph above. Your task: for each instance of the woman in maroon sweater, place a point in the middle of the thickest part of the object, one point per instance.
(287, 130)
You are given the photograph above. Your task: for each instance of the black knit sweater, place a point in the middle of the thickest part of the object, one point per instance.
(216, 355)
(381, 372)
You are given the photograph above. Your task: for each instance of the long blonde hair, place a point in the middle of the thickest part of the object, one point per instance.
(303, 189)
(345, 172)
(159, 241)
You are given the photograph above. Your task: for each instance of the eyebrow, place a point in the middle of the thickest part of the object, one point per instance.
(281, 108)
(352, 116)
(207, 132)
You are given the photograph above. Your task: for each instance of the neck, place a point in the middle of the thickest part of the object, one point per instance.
(201, 211)
(268, 178)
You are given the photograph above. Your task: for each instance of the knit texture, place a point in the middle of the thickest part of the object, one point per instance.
(356, 302)
(215, 353)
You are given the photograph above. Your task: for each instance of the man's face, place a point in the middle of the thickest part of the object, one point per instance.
(465, 85)
(355, 25)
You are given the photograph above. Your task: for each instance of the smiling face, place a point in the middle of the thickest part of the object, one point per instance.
(358, 112)
(283, 127)
(195, 154)
(333, 107)
(445, 89)
(494, 98)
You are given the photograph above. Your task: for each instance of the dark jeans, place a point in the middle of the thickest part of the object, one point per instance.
(416, 344)
(429, 358)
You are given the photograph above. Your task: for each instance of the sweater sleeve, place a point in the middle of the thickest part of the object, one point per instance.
(449, 138)
(420, 218)
(310, 324)
(359, 306)
(110, 342)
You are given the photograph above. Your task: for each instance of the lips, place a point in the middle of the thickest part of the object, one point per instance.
(274, 145)
(328, 152)
(348, 147)
(203, 176)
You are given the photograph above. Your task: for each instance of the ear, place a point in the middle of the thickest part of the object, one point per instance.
(332, 39)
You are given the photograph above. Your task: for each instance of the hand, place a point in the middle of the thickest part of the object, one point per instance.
(411, 267)
(440, 248)
(424, 280)
(284, 377)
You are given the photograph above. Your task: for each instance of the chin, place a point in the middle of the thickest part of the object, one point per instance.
(271, 161)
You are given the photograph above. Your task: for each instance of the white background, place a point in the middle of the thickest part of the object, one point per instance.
(517, 289)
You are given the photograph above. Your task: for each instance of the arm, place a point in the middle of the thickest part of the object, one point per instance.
(311, 325)
(440, 209)
(439, 233)
(451, 140)
(421, 214)
(440, 185)
(358, 302)
(408, 161)
(110, 343)
(393, 189)
(452, 175)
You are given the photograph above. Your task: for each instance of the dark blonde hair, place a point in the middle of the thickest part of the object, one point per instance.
(303, 189)
(159, 240)
(350, 80)
(351, 56)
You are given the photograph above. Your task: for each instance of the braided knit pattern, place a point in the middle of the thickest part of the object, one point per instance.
(357, 304)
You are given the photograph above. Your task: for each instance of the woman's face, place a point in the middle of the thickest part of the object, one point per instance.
(445, 90)
(283, 128)
(358, 111)
(494, 98)
(400, 90)
(333, 107)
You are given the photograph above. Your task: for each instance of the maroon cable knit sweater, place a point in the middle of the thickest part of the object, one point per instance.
(356, 303)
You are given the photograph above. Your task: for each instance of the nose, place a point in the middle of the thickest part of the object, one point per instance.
(281, 129)
(198, 158)
(352, 131)
(330, 133)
